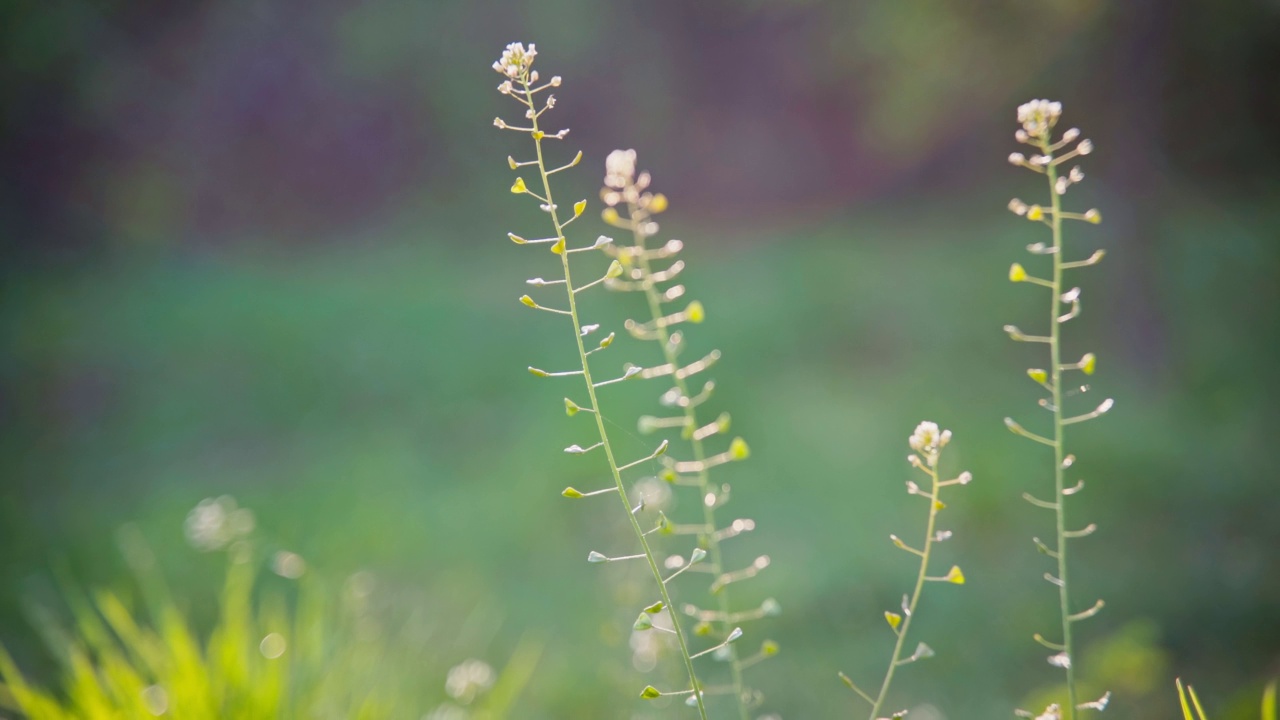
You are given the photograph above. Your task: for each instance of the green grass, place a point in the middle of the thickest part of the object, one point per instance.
(275, 651)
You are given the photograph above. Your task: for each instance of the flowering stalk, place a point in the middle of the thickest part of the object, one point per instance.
(521, 83)
(1038, 119)
(928, 441)
(626, 190)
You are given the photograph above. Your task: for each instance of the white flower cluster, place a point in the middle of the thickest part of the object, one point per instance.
(215, 524)
(928, 440)
(516, 60)
(1039, 116)
(620, 168)
(468, 679)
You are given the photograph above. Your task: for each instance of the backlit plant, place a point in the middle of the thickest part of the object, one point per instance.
(1038, 119)
(927, 443)
(631, 207)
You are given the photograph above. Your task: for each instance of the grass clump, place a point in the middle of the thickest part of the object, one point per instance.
(291, 648)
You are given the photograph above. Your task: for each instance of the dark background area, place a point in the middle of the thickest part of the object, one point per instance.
(258, 249)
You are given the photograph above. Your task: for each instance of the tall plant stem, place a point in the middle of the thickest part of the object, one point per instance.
(714, 554)
(1055, 363)
(600, 426)
(910, 611)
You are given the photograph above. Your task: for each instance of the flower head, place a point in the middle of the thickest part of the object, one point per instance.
(516, 60)
(468, 680)
(1039, 116)
(215, 524)
(620, 168)
(928, 440)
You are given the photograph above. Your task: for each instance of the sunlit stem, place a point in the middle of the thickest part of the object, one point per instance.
(600, 424)
(910, 611)
(1055, 363)
(715, 561)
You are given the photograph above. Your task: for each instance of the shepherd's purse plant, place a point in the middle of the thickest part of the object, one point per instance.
(927, 443)
(1038, 120)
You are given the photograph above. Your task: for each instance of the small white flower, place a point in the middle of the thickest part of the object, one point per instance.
(1099, 704)
(515, 60)
(214, 524)
(1061, 186)
(620, 168)
(288, 565)
(468, 679)
(1076, 174)
(1017, 207)
(1017, 158)
(1039, 116)
(1085, 147)
(928, 440)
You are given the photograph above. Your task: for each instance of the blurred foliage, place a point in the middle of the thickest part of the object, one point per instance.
(258, 248)
(309, 652)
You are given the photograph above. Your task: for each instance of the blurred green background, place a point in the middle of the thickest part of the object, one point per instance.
(258, 249)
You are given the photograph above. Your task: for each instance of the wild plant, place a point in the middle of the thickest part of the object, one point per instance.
(927, 443)
(631, 207)
(1038, 119)
(520, 82)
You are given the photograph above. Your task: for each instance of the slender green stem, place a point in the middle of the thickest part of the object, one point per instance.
(714, 554)
(1055, 363)
(910, 611)
(599, 416)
